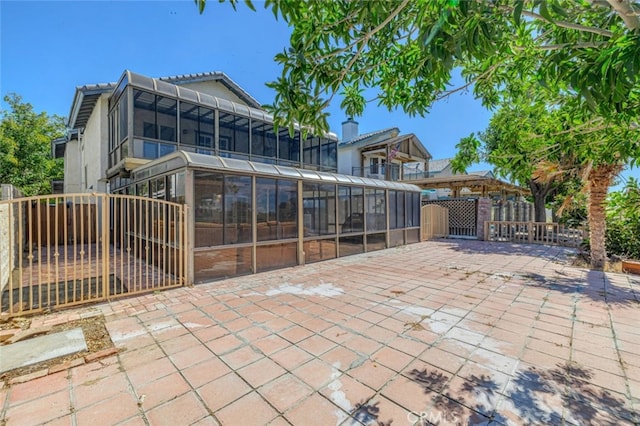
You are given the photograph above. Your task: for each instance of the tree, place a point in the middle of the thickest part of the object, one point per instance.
(25, 147)
(584, 54)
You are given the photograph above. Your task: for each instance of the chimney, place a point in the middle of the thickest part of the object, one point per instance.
(349, 129)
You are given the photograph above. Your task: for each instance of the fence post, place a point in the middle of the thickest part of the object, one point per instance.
(530, 229)
(104, 198)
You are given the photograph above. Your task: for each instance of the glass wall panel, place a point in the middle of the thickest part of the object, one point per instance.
(215, 264)
(289, 147)
(123, 107)
(237, 208)
(234, 135)
(350, 209)
(208, 208)
(319, 209)
(167, 118)
(413, 209)
(144, 114)
(376, 242)
(311, 153)
(266, 209)
(413, 235)
(263, 140)
(353, 244)
(329, 155)
(274, 256)
(287, 209)
(188, 123)
(396, 209)
(396, 238)
(376, 209)
(206, 135)
(317, 250)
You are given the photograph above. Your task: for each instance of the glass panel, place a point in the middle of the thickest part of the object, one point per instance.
(417, 204)
(393, 213)
(144, 118)
(400, 222)
(266, 207)
(396, 238)
(376, 212)
(311, 153)
(413, 235)
(206, 135)
(317, 250)
(289, 146)
(234, 133)
(209, 220)
(350, 209)
(287, 209)
(276, 256)
(237, 208)
(351, 245)
(149, 150)
(124, 118)
(188, 123)
(329, 155)
(376, 242)
(167, 118)
(319, 209)
(216, 264)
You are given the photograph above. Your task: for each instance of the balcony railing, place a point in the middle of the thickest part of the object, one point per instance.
(392, 172)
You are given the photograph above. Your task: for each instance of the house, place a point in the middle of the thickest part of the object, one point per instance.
(257, 198)
(382, 154)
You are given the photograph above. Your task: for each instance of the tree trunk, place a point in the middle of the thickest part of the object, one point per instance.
(600, 178)
(539, 191)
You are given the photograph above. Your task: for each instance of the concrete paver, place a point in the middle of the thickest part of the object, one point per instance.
(442, 332)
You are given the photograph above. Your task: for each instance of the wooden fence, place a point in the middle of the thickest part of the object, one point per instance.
(533, 233)
(434, 222)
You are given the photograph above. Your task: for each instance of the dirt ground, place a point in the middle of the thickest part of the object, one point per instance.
(95, 335)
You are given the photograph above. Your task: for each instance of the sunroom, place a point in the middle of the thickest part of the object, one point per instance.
(248, 217)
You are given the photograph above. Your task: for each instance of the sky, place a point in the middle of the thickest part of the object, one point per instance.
(47, 48)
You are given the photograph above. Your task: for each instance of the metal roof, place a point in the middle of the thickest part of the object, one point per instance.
(215, 76)
(181, 159)
(439, 165)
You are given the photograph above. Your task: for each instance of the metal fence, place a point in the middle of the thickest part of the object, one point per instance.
(77, 248)
(533, 233)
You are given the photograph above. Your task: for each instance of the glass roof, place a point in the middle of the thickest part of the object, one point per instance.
(181, 159)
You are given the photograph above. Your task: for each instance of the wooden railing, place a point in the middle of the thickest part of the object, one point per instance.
(533, 233)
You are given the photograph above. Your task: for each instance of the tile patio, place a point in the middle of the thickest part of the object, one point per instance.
(447, 332)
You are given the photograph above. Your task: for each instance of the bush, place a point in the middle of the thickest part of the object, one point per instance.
(623, 221)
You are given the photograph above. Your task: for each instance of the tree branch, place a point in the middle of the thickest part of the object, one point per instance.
(625, 10)
(569, 25)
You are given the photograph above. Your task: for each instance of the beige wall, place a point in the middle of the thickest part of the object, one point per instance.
(94, 148)
(214, 88)
(72, 176)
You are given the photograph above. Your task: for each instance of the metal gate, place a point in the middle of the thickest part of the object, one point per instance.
(463, 216)
(60, 251)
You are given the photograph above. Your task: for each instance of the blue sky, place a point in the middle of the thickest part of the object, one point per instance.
(50, 47)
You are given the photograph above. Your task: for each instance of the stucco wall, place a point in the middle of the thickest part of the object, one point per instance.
(347, 159)
(213, 88)
(96, 143)
(72, 175)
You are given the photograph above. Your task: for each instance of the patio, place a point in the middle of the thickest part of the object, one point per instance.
(443, 331)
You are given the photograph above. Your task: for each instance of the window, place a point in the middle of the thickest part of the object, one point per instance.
(350, 209)
(197, 127)
(376, 210)
(289, 147)
(123, 108)
(263, 140)
(319, 209)
(276, 205)
(396, 210)
(329, 155)
(311, 153)
(155, 117)
(234, 135)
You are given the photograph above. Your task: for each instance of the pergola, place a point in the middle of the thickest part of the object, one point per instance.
(482, 185)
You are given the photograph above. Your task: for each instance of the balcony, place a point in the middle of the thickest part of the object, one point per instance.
(390, 172)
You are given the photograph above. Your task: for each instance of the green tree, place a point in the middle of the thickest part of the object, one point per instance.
(584, 54)
(623, 221)
(25, 147)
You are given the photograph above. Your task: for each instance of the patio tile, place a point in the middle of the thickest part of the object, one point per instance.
(39, 411)
(250, 409)
(316, 345)
(315, 373)
(342, 358)
(109, 411)
(151, 371)
(191, 356)
(162, 390)
(185, 409)
(347, 393)
(241, 357)
(261, 372)
(291, 357)
(90, 393)
(222, 391)
(225, 344)
(285, 392)
(372, 374)
(392, 358)
(271, 344)
(381, 411)
(38, 388)
(315, 410)
(410, 394)
(204, 372)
